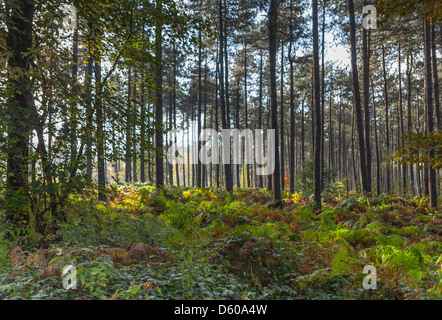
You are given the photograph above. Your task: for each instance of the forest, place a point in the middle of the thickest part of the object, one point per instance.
(220, 150)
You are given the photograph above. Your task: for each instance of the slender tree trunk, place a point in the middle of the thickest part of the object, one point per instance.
(159, 166)
(74, 109)
(128, 128)
(236, 120)
(429, 109)
(216, 109)
(246, 114)
(366, 92)
(143, 130)
(269, 125)
(134, 135)
(169, 163)
(435, 81)
(282, 116)
(199, 165)
(100, 131)
(225, 119)
(353, 159)
(410, 129)
(387, 140)
(292, 115)
(378, 169)
(400, 143)
(89, 113)
(322, 95)
(273, 97)
(174, 109)
(302, 132)
(204, 166)
(331, 141)
(260, 108)
(316, 111)
(365, 186)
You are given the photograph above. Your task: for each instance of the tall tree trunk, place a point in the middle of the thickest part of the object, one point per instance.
(200, 95)
(302, 133)
(216, 109)
(330, 133)
(143, 129)
(134, 134)
(225, 119)
(273, 98)
(409, 128)
(260, 108)
(400, 143)
(174, 108)
(74, 109)
(282, 115)
(292, 114)
(101, 161)
(353, 158)
(236, 121)
(322, 94)
(316, 113)
(387, 140)
(365, 187)
(366, 92)
(340, 150)
(20, 106)
(129, 117)
(435, 80)
(378, 169)
(204, 167)
(169, 163)
(89, 113)
(159, 165)
(246, 114)
(428, 84)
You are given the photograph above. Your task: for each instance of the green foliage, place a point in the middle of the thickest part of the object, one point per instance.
(421, 149)
(341, 263)
(429, 8)
(200, 247)
(304, 179)
(96, 276)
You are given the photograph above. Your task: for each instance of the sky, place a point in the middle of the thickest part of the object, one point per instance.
(336, 52)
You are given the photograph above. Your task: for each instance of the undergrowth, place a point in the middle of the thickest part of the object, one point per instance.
(188, 243)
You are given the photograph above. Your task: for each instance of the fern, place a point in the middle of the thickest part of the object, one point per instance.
(341, 263)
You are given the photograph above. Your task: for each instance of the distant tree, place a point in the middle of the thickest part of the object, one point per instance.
(272, 15)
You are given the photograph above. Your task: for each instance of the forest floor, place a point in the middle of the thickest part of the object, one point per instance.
(182, 243)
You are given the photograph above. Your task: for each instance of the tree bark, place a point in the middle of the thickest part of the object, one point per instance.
(159, 165)
(316, 111)
(365, 186)
(428, 87)
(225, 119)
(19, 107)
(387, 140)
(366, 92)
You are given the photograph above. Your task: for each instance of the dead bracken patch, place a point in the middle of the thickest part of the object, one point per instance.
(54, 269)
(133, 254)
(145, 251)
(249, 258)
(117, 255)
(38, 258)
